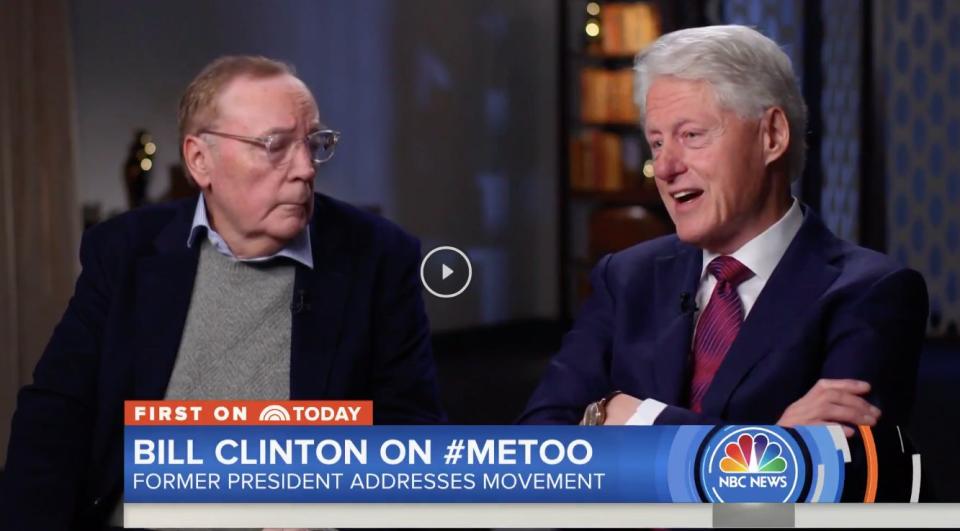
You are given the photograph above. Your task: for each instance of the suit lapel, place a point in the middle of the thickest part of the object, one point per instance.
(674, 276)
(318, 307)
(802, 275)
(164, 287)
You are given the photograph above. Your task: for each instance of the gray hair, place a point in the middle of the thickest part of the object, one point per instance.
(748, 72)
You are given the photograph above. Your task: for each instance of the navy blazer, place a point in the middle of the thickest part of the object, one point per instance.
(829, 310)
(359, 331)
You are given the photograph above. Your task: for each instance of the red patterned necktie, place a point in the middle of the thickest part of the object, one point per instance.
(718, 325)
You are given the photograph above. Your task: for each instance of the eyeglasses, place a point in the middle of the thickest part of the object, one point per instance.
(280, 147)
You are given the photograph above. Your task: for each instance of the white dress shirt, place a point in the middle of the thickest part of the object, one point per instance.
(761, 255)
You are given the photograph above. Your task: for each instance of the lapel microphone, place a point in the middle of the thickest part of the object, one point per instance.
(687, 303)
(300, 304)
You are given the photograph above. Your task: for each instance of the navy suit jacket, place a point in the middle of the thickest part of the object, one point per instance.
(359, 331)
(829, 310)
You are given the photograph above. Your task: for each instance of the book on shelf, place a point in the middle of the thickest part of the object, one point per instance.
(627, 28)
(622, 107)
(601, 161)
(606, 96)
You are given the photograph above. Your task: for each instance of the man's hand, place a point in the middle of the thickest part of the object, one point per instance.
(833, 402)
(620, 408)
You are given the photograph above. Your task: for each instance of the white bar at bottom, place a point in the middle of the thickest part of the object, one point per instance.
(186, 515)
(886, 515)
(556, 515)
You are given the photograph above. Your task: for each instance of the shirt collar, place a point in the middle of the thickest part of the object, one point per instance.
(298, 249)
(762, 254)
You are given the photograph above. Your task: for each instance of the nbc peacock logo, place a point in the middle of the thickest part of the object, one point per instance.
(753, 455)
(751, 464)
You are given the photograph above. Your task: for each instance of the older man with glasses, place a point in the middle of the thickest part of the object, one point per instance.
(257, 289)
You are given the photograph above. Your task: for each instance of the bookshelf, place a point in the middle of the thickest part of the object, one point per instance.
(607, 196)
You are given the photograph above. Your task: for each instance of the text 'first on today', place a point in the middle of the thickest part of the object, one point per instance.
(240, 413)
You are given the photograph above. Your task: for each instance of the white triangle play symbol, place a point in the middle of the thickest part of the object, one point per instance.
(446, 271)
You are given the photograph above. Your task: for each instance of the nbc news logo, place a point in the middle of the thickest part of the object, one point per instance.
(750, 464)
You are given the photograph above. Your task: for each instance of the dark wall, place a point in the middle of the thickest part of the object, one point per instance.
(447, 111)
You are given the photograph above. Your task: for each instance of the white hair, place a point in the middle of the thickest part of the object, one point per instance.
(748, 72)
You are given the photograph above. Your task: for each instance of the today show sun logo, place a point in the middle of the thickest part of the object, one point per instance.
(751, 464)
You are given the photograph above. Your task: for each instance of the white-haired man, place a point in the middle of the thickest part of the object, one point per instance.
(753, 312)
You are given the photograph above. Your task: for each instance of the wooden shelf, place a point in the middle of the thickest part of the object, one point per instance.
(622, 128)
(646, 195)
(603, 60)
(592, 220)
(581, 264)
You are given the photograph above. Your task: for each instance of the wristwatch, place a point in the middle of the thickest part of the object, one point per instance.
(596, 412)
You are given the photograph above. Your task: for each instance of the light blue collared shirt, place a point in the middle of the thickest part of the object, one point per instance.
(298, 249)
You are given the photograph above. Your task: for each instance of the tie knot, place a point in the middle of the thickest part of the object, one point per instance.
(729, 269)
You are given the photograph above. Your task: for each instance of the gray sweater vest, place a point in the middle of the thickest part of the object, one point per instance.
(236, 341)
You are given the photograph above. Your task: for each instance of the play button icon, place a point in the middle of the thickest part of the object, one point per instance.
(446, 272)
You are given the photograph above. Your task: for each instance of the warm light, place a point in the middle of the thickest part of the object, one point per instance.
(648, 169)
(592, 28)
(146, 164)
(593, 9)
(150, 148)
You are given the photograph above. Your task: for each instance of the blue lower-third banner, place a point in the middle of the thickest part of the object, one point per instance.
(505, 464)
